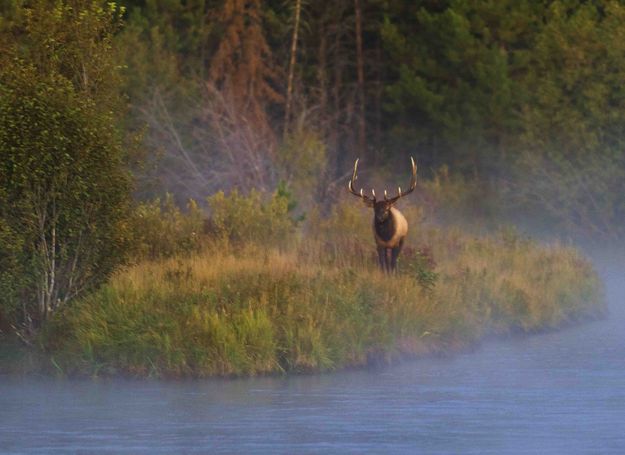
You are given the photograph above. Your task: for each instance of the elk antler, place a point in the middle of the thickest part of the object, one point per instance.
(413, 184)
(361, 194)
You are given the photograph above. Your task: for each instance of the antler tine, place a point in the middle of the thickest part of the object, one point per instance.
(413, 182)
(350, 185)
(413, 177)
(385, 196)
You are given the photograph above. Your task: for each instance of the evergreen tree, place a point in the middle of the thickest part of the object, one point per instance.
(242, 66)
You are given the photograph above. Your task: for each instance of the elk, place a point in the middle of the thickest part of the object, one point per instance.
(389, 225)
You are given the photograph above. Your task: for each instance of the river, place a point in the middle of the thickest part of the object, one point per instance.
(555, 393)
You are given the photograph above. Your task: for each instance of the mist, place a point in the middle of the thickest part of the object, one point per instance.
(551, 393)
(514, 113)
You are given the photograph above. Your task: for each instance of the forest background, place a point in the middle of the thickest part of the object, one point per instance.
(513, 110)
(516, 105)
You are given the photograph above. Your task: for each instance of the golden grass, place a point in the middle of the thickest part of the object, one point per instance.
(320, 306)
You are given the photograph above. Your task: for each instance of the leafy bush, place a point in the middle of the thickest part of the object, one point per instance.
(237, 220)
(160, 229)
(12, 273)
(453, 198)
(64, 192)
(419, 263)
(302, 160)
(64, 185)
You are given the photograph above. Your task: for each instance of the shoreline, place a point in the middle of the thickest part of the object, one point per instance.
(33, 363)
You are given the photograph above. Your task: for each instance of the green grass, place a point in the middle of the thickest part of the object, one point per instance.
(319, 306)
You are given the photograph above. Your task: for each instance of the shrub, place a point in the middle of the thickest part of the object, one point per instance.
(453, 198)
(238, 220)
(419, 263)
(302, 160)
(64, 193)
(64, 185)
(160, 229)
(12, 274)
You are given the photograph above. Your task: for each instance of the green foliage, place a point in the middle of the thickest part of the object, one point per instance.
(576, 105)
(160, 229)
(571, 165)
(238, 220)
(74, 42)
(12, 272)
(498, 91)
(283, 191)
(420, 264)
(454, 199)
(64, 190)
(303, 161)
(150, 47)
(454, 77)
(578, 196)
(528, 91)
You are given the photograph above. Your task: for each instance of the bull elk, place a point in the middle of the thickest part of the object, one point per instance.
(389, 225)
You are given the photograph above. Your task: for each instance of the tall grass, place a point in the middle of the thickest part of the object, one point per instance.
(321, 304)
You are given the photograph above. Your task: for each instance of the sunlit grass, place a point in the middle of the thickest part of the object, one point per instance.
(319, 306)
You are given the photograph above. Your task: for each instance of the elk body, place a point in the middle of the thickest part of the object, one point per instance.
(389, 225)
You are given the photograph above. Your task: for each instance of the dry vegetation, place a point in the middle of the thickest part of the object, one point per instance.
(239, 308)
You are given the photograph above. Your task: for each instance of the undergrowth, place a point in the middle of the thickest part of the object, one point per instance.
(319, 304)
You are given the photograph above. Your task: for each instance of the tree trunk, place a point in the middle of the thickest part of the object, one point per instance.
(322, 76)
(334, 138)
(378, 98)
(289, 87)
(361, 81)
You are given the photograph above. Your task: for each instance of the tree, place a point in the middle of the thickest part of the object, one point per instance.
(292, 61)
(360, 71)
(242, 65)
(64, 188)
(453, 91)
(571, 164)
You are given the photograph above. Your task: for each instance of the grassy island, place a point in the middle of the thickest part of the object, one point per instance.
(319, 305)
(514, 113)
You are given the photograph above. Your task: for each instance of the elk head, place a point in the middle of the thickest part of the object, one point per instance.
(389, 225)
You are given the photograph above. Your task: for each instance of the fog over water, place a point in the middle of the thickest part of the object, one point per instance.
(556, 393)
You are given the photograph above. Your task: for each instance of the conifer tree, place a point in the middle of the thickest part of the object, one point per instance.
(242, 66)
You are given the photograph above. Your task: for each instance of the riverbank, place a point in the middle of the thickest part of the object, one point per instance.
(254, 311)
(557, 392)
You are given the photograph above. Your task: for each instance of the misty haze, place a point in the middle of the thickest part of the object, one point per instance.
(244, 226)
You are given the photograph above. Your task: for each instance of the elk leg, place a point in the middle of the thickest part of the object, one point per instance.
(395, 254)
(382, 257)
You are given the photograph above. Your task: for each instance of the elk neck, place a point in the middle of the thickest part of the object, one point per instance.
(385, 229)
